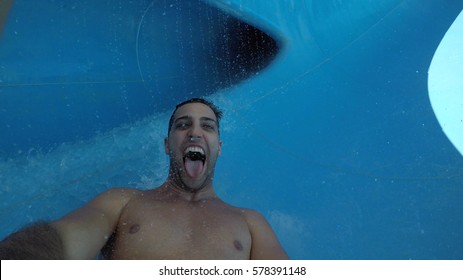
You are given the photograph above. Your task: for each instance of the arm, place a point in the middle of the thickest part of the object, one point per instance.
(78, 235)
(38, 241)
(265, 244)
(85, 231)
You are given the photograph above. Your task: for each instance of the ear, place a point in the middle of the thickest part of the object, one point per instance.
(166, 145)
(220, 147)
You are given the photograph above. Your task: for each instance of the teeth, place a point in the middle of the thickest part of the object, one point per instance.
(194, 149)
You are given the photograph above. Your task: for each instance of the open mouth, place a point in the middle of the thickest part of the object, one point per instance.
(194, 159)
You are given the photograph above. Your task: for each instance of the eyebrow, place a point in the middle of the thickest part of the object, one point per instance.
(189, 117)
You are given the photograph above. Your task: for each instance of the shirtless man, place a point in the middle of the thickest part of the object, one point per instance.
(181, 219)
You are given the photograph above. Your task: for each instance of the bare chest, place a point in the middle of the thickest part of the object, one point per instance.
(177, 231)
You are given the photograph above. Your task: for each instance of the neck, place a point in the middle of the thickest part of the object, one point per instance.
(185, 193)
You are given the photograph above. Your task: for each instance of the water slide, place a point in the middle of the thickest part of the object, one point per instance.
(343, 119)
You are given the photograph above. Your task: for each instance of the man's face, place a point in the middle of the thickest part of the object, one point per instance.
(193, 145)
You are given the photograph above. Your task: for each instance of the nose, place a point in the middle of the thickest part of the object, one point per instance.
(194, 139)
(194, 134)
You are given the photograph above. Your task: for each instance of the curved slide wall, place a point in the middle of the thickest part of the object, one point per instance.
(446, 85)
(332, 136)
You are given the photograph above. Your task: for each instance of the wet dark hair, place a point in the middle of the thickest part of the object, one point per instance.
(215, 109)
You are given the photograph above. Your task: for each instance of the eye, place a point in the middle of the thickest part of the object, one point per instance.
(208, 126)
(182, 124)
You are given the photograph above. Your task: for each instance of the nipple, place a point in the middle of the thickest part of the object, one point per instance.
(134, 228)
(238, 245)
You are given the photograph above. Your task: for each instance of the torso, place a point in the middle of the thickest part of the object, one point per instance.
(154, 225)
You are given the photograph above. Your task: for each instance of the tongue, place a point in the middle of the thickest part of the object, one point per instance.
(193, 167)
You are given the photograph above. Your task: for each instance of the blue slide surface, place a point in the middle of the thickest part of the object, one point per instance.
(329, 128)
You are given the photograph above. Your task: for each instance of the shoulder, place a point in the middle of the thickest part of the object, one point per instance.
(115, 196)
(121, 192)
(251, 215)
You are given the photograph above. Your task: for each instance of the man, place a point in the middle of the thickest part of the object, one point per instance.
(181, 219)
